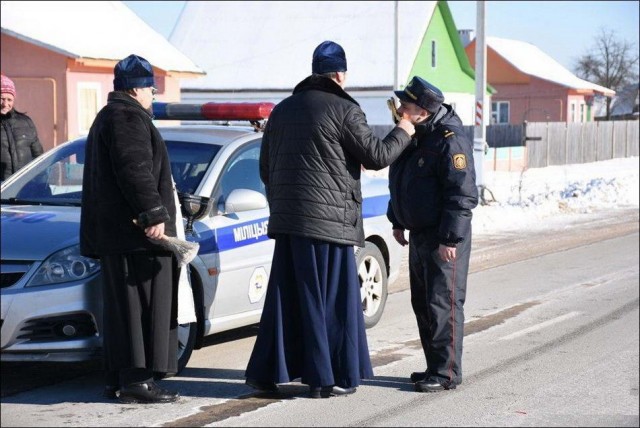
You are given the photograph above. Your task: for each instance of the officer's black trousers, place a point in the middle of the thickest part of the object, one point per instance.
(438, 291)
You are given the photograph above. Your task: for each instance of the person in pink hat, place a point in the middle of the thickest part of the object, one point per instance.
(20, 142)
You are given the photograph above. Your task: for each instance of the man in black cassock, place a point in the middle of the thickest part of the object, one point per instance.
(314, 147)
(127, 176)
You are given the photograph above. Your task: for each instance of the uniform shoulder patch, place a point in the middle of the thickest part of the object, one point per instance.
(459, 161)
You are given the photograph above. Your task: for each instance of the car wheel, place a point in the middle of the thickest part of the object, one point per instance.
(186, 340)
(372, 274)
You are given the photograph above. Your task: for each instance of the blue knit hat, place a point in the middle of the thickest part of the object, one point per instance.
(132, 72)
(328, 57)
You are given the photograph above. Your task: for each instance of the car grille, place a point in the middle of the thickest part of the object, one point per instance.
(63, 327)
(8, 279)
(12, 272)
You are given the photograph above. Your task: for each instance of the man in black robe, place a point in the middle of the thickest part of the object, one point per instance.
(314, 147)
(127, 177)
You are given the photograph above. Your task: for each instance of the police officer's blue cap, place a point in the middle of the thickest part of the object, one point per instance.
(421, 93)
(328, 57)
(132, 72)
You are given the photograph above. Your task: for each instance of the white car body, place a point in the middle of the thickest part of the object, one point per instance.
(62, 321)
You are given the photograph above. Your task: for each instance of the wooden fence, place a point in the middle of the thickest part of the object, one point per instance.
(496, 135)
(560, 143)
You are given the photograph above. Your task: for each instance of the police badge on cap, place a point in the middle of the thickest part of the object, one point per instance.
(422, 93)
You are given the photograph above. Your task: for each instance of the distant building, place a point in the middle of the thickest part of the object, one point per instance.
(259, 50)
(61, 57)
(531, 86)
(624, 105)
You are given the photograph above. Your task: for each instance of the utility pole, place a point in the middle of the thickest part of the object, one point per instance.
(395, 45)
(479, 140)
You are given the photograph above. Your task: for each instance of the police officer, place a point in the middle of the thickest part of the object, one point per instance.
(433, 191)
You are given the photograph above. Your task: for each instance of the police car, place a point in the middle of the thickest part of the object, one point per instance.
(51, 294)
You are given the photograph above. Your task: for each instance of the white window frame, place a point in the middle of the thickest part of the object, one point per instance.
(495, 113)
(97, 88)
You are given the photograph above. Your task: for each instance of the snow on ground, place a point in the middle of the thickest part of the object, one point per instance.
(532, 198)
(526, 199)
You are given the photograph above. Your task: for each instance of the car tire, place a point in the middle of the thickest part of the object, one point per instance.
(372, 274)
(186, 341)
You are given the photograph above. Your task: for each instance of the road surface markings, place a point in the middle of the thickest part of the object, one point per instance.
(540, 326)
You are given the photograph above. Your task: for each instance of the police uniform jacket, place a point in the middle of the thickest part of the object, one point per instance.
(127, 176)
(312, 150)
(20, 142)
(433, 183)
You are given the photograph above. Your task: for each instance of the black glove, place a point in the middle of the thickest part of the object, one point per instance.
(391, 103)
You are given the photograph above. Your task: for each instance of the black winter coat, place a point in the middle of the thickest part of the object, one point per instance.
(20, 142)
(433, 183)
(314, 145)
(127, 176)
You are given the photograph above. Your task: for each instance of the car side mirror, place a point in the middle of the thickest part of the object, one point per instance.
(244, 200)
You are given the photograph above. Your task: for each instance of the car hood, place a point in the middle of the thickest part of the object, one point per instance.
(34, 232)
(372, 186)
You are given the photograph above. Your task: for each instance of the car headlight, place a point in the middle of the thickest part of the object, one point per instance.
(65, 266)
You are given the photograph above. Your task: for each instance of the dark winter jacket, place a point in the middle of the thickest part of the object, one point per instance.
(433, 183)
(314, 145)
(127, 176)
(20, 142)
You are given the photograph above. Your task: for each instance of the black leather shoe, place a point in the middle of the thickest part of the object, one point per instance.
(262, 386)
(148, 392)
(329, 391)
(430, 385)
(110, 392)
(418, 376)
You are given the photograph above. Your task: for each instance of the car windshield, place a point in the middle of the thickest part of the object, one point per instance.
(56, 177)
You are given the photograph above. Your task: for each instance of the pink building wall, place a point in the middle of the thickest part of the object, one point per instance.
(47, 87)
(538, 101)
(168, 91)
(41, 93)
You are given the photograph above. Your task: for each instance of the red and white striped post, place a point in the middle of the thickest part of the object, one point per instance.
(479, 113)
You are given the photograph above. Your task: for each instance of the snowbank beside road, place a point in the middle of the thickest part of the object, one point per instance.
(527, 199)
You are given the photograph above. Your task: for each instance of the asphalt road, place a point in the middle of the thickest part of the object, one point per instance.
(546, 312)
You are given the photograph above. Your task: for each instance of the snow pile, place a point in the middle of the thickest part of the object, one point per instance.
(525, 199)
(528, 199)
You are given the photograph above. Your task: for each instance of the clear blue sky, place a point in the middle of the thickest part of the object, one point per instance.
(565, 30)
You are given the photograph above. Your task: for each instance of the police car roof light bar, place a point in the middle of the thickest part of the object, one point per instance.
(213, 111)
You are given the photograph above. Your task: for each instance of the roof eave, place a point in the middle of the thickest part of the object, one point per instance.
(39, 43)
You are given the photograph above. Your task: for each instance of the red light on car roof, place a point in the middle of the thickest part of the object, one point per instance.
(237, 111)
(213, 111)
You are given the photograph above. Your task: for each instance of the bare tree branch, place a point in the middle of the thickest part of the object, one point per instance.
(612, 63)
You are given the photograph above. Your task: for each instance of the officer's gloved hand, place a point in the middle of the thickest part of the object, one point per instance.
(395, 116)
